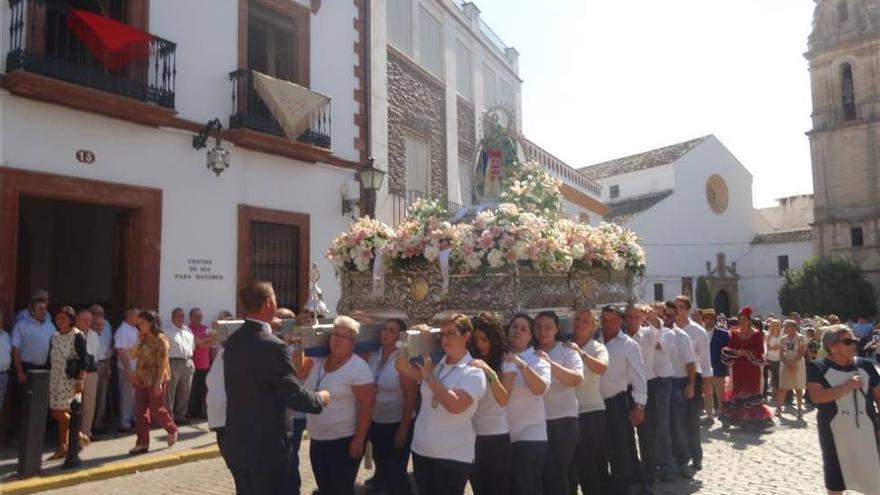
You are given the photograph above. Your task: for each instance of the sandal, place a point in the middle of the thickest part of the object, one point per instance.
(59, 454)
(139, 449)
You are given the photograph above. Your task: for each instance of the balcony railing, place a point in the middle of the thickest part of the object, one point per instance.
(400, 203)
(250, 112)
(41, 42)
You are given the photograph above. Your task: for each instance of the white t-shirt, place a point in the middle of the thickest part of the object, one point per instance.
(587, 393)
(526, 416)
(772, 355)
(647, 337)
(490, 418)
(215, 399)
(560, 401)
(125, 338)
(439, 434)
(700, 341)
(338, 420)
(181, 341)
(389, 394)
(682, 354)
(663, 354)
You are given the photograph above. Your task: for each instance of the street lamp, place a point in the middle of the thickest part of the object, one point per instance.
(371, 180)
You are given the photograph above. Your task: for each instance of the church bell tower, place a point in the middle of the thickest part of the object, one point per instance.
(844, 59)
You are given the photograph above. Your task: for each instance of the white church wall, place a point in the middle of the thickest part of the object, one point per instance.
(764, 272)
(639, 183)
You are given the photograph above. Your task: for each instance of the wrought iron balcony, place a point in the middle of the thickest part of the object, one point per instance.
(42, 41)
(249, 111)
(400, 203)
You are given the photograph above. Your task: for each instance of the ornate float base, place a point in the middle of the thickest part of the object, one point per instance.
(417, 294)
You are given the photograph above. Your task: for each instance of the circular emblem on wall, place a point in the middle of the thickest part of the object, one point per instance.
(717, 193)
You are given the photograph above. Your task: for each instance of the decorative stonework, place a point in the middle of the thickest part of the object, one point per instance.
(416, 103)
(467, 134)
(360, 72)
(417, 293)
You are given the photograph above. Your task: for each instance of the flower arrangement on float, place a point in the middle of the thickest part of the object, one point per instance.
(526, 230)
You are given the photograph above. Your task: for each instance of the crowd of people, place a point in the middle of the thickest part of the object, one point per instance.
(513, 407)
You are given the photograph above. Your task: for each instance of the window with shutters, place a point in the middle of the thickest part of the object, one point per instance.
(273, 245)
(463, 72)
(430, 44)
(782, 264)
(658, 292)
(490, 87)
(274, 255)
(399, 16)
(418, 164)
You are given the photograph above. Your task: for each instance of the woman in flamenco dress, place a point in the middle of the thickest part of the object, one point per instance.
(743, 406)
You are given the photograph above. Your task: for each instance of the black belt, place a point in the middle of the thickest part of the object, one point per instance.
(179, 359)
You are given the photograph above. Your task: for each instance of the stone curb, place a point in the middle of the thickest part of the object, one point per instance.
(111, 470)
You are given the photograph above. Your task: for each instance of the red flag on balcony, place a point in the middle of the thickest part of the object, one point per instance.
(113, 43)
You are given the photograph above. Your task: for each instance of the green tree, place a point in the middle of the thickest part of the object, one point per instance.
(828, 285)
(704, 299)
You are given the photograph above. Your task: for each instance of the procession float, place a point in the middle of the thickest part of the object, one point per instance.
(514, 251)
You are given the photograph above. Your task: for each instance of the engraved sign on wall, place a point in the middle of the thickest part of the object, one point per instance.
(199, 269)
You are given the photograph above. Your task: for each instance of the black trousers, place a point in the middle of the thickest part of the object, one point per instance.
(527, 466)
(391, 462)
(334, 470)
(616, 452)
(197, 395)
(694, 406)
(259, 479)
(643, 461)
(439, 476)
(584, 467)
(491, 474)
(562, 436)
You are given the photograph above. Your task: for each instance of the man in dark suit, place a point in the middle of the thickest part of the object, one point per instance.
(260, 385)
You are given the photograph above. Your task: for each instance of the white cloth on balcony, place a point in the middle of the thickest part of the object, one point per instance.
(291, 104)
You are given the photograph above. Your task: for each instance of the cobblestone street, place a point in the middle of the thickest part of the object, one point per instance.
(784, 462)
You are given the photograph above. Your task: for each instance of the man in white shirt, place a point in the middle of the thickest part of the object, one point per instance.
(625, 368)
(664, 375)
(90, 385)
(643, 458)
(182, 342)
(102, 328)
(126, 337)
(700, 341)
(683, 363)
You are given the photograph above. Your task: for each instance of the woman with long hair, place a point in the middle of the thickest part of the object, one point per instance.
(492, 448)
(771, 371)
(793, 372)
(65, 381)
(444, 436)
(150, 378)
(846, 389)
(393, 414)
(526, 415)
(744, 405)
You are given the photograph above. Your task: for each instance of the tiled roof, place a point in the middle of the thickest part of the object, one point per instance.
(784, 237)
(636, 204)
(641, 161)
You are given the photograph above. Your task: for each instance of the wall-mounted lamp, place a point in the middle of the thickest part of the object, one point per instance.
(218, 156)
(371, 180)
(351, 194)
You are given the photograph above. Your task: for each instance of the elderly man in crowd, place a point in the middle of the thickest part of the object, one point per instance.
(84, 323)
(126, 337)
(102, 328)
(182, 368)
(39, 294)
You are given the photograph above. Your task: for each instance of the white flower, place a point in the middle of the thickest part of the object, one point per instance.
(495, 258)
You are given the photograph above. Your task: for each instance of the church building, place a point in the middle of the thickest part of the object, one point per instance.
(844, 52)
(691, 203)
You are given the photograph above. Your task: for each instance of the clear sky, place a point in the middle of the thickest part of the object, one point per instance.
(609, 78)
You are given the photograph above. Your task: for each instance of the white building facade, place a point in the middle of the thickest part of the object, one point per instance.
(691, 203)
(103, 197)
(438, 69)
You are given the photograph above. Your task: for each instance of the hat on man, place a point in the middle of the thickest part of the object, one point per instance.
(708, 312)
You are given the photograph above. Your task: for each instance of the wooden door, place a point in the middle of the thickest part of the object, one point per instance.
(123, 279)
